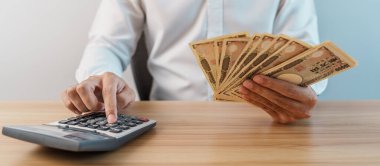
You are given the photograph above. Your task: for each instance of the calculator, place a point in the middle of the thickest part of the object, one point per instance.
(88, 132)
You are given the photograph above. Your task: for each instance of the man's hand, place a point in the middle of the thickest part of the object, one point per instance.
(107, 91)
(283, 101)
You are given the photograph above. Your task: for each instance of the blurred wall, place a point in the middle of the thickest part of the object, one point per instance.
(42, 41)
(354, 25)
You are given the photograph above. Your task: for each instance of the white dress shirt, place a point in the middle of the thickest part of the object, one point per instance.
(170, 25)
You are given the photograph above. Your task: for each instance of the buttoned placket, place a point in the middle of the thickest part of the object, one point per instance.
(214, 26)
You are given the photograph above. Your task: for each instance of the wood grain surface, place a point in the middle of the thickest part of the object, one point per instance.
(213, 133)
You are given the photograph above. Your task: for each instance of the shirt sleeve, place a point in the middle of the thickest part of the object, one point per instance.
(298, 18)
(112, 38)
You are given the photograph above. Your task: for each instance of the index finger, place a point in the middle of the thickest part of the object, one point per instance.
(109, 90)
(285, 88)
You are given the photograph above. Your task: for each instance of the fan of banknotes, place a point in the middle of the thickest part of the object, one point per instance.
(228, 60)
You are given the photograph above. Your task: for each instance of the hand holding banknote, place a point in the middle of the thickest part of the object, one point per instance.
(283, 101)
(273, 72)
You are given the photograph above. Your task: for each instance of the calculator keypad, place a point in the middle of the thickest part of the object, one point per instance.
(98, 121)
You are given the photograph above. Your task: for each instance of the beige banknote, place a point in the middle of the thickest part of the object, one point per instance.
(232, 49)
(277, 44)
(236, 96)
(229, 97)
(249, 62)
(221, 97)
(218, 45)
(258, 63)
(206, 57)
(284, 49)
(291, 49)
(255, 40)
(264, 44)
(314, 65)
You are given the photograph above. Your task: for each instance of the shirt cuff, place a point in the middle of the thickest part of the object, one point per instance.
(319, 87)
(97, 61)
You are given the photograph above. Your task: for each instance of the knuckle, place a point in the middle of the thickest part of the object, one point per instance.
(93, 107)
(291, 90)
(71, 92)
(131, 94)
(125, 99)
(67, 103)
(313, 100)
(268, 83)
(283, 118)
(303, 113)
(108, 75)
(280, 101)
(108, 89)
(303, 110)
(300, 110)
(258, 90)
(81, 88)
(248, 84)
(296, 107)
(94, 77)
(122, 103)
(259, 99)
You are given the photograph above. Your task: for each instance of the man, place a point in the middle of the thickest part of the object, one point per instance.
(169, 26)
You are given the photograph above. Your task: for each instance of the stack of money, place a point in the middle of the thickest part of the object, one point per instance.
(227, 61)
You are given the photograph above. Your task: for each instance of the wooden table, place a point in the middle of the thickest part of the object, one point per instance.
(213, 133)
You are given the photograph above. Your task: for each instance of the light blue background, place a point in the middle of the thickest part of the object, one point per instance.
(354, 25)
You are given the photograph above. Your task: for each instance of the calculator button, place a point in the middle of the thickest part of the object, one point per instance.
(137, 121)
(72, 123)
(91, 121)
(114, 130)
(101, 123)
(123, 127)
(131, 124)
(104, 128)
(82, 124)
(64, 121)
(127, 120)
(82, 120)
(94, 126)
(100, 119)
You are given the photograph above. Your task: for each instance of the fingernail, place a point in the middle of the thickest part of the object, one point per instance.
(111, 118)
(258, 79)
(247, 84)
(242, 91)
